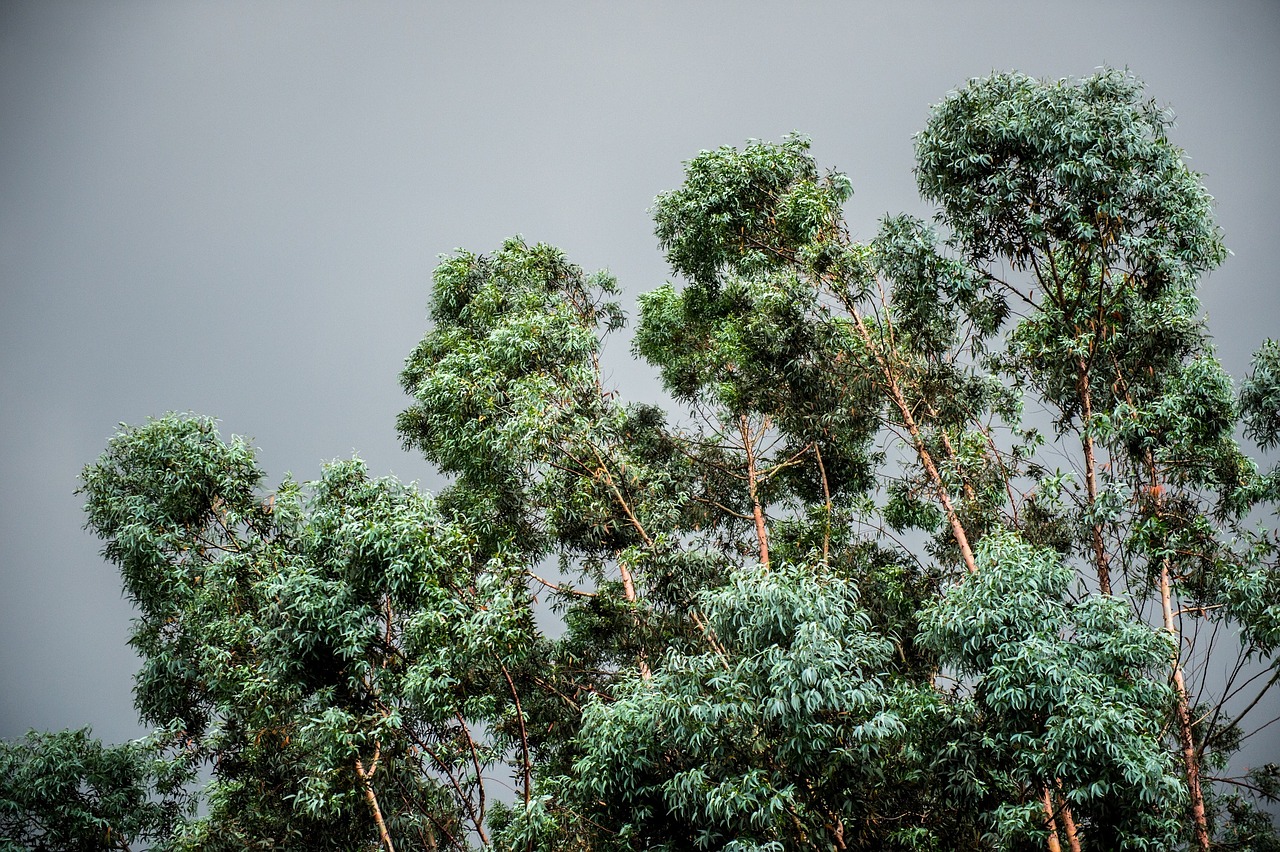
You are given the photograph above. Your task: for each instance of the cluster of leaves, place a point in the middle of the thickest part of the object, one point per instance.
(67, 791)
(1069, 690)
(839, 600)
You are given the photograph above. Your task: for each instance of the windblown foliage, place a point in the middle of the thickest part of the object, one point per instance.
(847, 596)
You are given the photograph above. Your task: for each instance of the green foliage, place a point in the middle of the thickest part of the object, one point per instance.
(846, 596)
(66, 791)
(1068, 693)
(297, 637)
(1068, 174)
(508, 361)
(1260, 397)
(761, 738)
(752, 211)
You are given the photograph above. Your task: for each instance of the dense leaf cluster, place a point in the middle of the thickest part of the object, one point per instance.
(66, 792)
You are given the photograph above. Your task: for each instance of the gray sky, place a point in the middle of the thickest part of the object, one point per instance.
(235, 208)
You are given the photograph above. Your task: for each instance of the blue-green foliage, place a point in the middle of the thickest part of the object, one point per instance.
(772, 734)
(508, 366)
(1022, 166)
(1068, 693)
(1260, 397)
(291, 635)
(65, 790)
(753, 211)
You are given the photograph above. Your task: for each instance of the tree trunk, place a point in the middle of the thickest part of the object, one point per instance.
(1046, 802)
(1069, 825)
(1101, 557)
(1186, 737)
(365, 780)
(917, 440)
(757, 511)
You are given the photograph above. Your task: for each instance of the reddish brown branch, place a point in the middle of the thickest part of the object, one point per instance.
(1101, 557)
(757, 511)
(366, 782)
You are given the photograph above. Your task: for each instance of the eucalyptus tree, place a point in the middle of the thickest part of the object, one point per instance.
(847, 595)
(328, 649)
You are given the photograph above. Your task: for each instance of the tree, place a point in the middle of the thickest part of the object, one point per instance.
(848, 596)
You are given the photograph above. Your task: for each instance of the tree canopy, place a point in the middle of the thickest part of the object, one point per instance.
(949, 541)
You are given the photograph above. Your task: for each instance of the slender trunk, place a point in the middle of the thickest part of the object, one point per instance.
(117, 842)
(628, 584)
(476, 819)
(1186, 736)
(366, 782)
(1182, 709)
(710, 636)
(837, 834)
(1050, 823)
(757, 512)
(629, 593)
(628, 580)
(951, 453)
(826, 494)
(1069, 826)
(1101, 557)
(917, 440)
(957, 528)
(1004, 475)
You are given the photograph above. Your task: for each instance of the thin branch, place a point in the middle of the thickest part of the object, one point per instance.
(711, 638)
(826, 495)
(1236, 782)
(708, 501)
(626, 507)
(463, 798)
(524, 736)
(1254, 703)
(1260, 728)
(559, 588)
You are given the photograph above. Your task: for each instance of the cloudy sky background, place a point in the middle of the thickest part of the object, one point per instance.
(235, 208)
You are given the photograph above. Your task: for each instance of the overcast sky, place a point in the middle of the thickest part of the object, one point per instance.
(235, 208)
